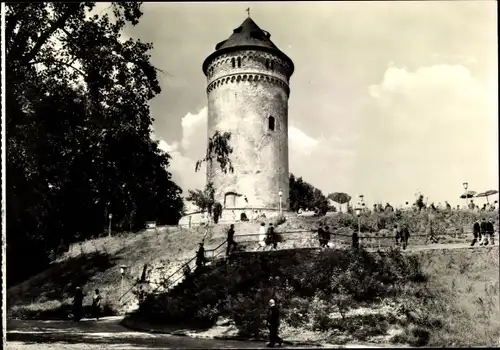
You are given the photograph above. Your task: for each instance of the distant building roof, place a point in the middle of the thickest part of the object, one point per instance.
(247, 36)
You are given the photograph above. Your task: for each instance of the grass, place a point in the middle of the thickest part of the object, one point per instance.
(457, 304)
(431, 298)
(96, 264)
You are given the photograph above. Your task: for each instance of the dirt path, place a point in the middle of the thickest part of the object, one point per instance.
(109, 334)
(105, 334)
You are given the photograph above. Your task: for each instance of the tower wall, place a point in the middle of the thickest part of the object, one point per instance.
(241, 100)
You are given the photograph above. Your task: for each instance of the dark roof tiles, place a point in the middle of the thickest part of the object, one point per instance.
(247, 36)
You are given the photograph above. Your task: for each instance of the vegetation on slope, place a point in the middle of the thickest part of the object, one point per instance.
(338, 296)
(96, 264)
(78, 131)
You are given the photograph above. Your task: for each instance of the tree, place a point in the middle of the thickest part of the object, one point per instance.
(78, 130)
(304, 195)
(218, 148)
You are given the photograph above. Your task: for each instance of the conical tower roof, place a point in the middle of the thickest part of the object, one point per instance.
(247, 36)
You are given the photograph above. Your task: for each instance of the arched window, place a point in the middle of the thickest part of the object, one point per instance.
(239, 62)
(267, 64)
(233, 62)
(271, 123)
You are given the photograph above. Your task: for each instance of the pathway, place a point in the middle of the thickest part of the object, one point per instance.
(109, 334)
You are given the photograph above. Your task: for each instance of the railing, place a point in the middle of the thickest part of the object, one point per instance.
(210, 254)
(309, 234)
(215, 253)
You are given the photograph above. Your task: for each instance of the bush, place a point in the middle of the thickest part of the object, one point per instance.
(311, 285)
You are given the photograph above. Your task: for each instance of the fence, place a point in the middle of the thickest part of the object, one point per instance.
(311, 238)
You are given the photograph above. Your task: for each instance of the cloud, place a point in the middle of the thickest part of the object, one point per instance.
(431, 128)
(303, 149)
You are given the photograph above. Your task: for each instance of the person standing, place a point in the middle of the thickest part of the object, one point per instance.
(355, 239)
(484, 239)
(231, 244)
(327, 236)
(321, 235)
(405, 235)
(397, 235)
(78, 304)
(273, 323)
(490, 231)
(96, 304)
(476, 231)
(271, 236)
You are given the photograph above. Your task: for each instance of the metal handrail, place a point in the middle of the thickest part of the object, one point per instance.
(342, 235)
(311, 231)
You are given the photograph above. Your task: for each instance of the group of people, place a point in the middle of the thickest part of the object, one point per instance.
(483, 232)
(268, 237)
(77, 314)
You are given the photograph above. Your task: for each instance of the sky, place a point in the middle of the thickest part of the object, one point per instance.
(387, 99)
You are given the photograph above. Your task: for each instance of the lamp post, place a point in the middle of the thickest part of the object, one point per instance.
(280, 193)
(110, 216)
(358, 214)
(466, 186)
(122, 273)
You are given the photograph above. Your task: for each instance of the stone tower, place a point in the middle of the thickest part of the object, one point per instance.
(248, 81)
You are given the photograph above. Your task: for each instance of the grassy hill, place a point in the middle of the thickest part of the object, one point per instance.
(432, 298)
(456, 285)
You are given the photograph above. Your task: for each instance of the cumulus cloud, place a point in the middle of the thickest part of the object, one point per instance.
(428, 129)
(431, 128)
(303, 149)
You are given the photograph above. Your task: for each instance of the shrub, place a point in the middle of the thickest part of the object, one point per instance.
(311, 285)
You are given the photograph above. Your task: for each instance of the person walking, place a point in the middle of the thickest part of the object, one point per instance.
(96, 304)
(476, 231)
(484, 239)
(78, 305)
(231, 244)
(273, 323)
(262, 236)
(490, 231)
(200, 256)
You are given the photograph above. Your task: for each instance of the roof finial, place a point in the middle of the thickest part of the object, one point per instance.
(248, 11)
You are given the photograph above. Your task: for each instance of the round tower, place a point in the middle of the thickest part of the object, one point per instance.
(248, 88)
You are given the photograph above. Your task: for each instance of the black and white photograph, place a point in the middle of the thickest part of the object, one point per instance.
(250, 175)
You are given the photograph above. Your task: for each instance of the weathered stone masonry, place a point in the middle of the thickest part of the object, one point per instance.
(248, 89)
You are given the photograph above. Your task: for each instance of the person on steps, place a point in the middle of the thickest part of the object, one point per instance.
(200, 256)
(476, 231)
(273, 323)
(231, 244)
